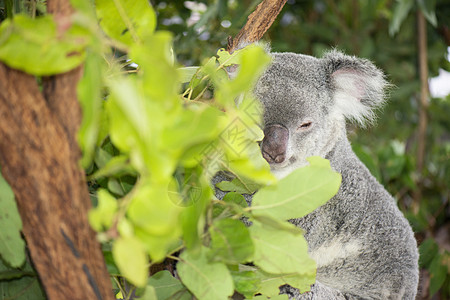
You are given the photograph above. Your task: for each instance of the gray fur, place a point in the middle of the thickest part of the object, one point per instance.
(363, 245)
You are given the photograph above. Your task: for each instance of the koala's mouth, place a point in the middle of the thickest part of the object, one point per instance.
(279, 166)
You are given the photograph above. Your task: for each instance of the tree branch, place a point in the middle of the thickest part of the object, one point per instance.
(423, 103)
(257, 23)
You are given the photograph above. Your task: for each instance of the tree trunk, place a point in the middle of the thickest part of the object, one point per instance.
(423, 104)
(40, 160)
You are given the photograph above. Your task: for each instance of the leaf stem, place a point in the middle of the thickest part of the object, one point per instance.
(119, 285)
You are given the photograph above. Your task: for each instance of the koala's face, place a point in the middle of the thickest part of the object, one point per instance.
(305, 103)
(296, 98)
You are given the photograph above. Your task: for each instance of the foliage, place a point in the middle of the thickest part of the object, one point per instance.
(146, 106)
(20, 283)
(12, 247)
(153, 135)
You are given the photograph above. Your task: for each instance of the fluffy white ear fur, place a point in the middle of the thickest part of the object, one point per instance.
(359, 87)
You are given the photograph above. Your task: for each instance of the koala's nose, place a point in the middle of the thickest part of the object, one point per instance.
(275, 142)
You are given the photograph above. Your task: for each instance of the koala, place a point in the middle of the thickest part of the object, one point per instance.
(363, 245)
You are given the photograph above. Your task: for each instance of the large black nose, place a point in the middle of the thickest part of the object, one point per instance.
(275, 142)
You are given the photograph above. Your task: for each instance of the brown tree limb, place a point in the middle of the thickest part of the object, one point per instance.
(40, 160)
(257, 23)
(423, 103)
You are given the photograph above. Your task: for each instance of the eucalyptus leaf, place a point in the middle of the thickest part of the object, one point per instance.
(12, 246)
(428, 250)
(227, 59)
(299, 193)
(89, 95)
(149, 294)
(247, 283)
(428, 8)
(187, 73)
(276, 297)
(131, 259)
(25, 288)
(230, 242)
(206, 280)
(238, 186)
(155, 218)
(439, 271)
(168, 287)
(235, 198)
(55, 48)
(126, 21)
(101, 217)
(280, 252)
(401, 11)
(270, 283)
(115, 166)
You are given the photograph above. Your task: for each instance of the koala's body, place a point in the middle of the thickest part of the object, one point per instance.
(363, 246)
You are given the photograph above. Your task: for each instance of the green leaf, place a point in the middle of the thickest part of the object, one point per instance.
(204, 279)
(193, 217)
(149, 294)
(278, 224)
(253, 60)
(89, 95)
(116, 165)
(238, 186)
(428, 250)
(186, 73)
(365, 156)
(110, 264)
(275, 297)
(168, 287)
(270, 283)
(230, 242)
(246, 283)
(438, 271)
(280, 252)
(155, 217)
(159, 76)
(234, 203)
(102, 157)
(41, 46)
(401, 11)
(131, 259)
(25, 288)
(126, 21)
(102, 216)
(227, 59)
(12, 246)
(235, 198)
(21, 284)
(193, 127)
(428, 8)
(299, 193)
(115, 187)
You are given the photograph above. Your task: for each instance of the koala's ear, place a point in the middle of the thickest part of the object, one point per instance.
(358, 86)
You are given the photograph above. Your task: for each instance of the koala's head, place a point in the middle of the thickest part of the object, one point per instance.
(306, 101)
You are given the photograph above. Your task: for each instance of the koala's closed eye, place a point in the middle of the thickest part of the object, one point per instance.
(304, 125)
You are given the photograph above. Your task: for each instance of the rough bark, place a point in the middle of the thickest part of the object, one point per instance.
(257, 23)
(40, 160)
